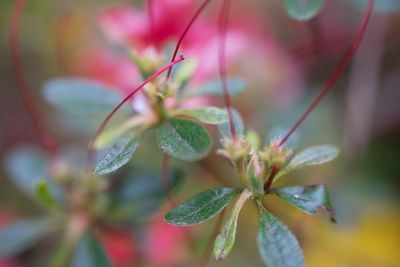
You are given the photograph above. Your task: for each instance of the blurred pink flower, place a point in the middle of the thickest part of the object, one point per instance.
(248, 43)
(164, 244)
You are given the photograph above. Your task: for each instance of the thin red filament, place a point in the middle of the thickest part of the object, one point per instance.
(186, 30)
(126, 99)
(22, 83)
(337, 73)
(223, 23)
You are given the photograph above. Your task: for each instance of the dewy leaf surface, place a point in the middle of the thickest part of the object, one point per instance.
(303, 9)
(117, 155)
(307, 198)
(278, 246)
(201, 207)
(184, 139)
(209, 115)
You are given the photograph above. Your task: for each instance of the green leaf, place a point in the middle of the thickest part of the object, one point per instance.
(43, 195)
(315, 155)
(278, 246)
(89, 253)
(117, 155)
(210, 115)
(303, 9)
(201, 207)
(16, 238)
(81, 96)
(225, 129)
(225, 240)
(214, 87)
(311, 156)
(26, 166)
(307, 198)
(184, 139)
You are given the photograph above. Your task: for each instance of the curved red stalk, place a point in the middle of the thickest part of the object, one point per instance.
(22, 84)
(187, 28)
(223, 23)
(339, 70)
(129, 96)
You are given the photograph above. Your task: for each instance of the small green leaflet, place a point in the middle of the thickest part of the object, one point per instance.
(209, 115)
(225, 130)
(17, 237)
(278, 246)
(43, 195)
(214, 87)
(311, 156)
(81, 96)
(307, 198)
(303, 9)
(201, 207)
(117, 155)
(225, 240)
(184, 139)
(89, 253)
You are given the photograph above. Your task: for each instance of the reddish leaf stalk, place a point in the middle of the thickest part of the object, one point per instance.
(223, 23)
(186, 30)
(126, 99)
(22, 83)
(337, 73)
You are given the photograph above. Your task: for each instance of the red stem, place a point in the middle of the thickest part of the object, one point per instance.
(128, 97)
(187, 28)
(22, 83)
(223, 23)
(337, 73)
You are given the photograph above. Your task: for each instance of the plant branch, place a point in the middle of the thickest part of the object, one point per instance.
(185, 31)
(337, 73)
(22, 83)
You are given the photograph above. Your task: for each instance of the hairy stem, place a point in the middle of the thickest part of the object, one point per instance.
(223, 23)
(22, 83)
(336, 74)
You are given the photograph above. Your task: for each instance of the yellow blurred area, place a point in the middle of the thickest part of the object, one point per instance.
(373, 241)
